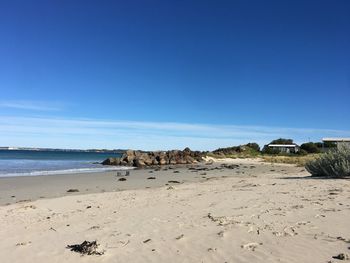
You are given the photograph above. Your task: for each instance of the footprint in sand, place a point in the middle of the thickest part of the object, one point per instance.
(251, 246)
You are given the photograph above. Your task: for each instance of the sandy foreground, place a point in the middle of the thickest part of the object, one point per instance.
(268, 213)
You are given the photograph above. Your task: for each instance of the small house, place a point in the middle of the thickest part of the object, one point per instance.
(285, 148)
(340, 142)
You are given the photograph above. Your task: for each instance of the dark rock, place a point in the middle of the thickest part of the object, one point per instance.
(122, 179)
(187, 151)
(230, 166)
(151, 178)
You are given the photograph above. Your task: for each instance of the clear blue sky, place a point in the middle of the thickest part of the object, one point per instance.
(163, 74)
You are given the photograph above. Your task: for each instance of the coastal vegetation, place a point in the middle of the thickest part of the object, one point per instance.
(318, 158)
(334, 163)
(308, 152)
(281, 141)
(317, 147)
(242, 151)
(299, 160)
(310, 147)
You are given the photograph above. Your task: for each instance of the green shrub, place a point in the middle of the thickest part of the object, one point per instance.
(302, 152)
(335, 163)
(310, 147)
(329, 145)
(282, 141)
(254, 146)
(269, 150)
(247, 149)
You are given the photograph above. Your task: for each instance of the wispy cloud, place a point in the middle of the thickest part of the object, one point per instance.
(31, 105)
(93, 133)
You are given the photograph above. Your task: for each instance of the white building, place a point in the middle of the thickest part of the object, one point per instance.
(285, 148)
(338, 141)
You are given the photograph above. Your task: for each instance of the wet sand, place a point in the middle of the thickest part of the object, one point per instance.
(30, 188)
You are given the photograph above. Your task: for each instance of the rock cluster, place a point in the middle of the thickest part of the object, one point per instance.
(143, 159)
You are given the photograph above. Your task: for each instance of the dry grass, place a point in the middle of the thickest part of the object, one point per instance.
(298, 160)
(234, 156)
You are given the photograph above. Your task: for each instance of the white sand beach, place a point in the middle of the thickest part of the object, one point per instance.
(261, 213)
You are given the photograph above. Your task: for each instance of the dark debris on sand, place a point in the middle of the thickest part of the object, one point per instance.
(72, 190)
(342, 256)
(173, 182)
(86, 248)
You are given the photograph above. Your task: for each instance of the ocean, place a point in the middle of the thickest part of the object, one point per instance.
(33, 163)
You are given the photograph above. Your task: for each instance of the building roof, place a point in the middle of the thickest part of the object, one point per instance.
(282, 145)
(336, 139)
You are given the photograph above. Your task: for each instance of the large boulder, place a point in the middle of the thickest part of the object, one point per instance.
(187, 151)
(111, 161)
(189, 160)
(162, 160)
(139, 162)
(142, 159)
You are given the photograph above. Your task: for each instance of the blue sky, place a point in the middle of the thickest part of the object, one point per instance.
(170, 74)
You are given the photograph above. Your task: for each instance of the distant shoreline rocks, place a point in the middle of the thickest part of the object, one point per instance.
(144, 159)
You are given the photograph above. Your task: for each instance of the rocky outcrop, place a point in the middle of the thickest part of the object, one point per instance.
(144, 159)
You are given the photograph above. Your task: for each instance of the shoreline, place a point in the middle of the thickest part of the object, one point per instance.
(66, 171)
(30, 188)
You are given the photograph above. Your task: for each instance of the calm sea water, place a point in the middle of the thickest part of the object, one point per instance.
(30, 163)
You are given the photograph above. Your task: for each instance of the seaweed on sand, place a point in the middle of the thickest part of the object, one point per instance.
(86, 248)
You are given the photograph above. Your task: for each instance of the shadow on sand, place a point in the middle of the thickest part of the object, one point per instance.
(313, 177)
